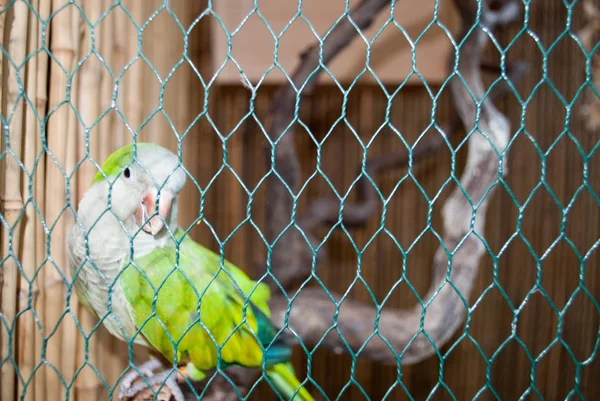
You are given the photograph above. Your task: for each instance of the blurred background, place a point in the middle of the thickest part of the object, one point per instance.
(553, 170)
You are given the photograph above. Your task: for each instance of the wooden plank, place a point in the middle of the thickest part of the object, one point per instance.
(391, 55)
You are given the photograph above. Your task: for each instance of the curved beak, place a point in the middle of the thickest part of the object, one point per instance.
(148, 208)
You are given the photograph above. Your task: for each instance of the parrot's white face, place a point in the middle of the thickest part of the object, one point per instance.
(135, 191)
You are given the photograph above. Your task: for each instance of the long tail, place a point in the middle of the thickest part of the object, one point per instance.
(285, 381)
(279, 368)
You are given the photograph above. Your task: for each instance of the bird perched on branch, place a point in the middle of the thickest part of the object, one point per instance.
(152, 285)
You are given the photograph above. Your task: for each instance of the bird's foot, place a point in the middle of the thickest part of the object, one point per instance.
(146, 369)
(133, 385)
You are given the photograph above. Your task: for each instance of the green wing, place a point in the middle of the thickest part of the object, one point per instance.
(197, 306)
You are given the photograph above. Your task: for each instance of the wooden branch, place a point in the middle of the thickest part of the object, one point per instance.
(326, 210)
(290, 250)
(312, 312)
(289, 267)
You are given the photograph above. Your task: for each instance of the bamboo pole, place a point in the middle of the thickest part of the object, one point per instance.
(63, 49)
(4, 37)
(134, 77)
(12, 201)
(91, 73)
(118, 42)
(70, 333)
(29, 289)
(182, 117)
(115, 47)
(159, 51)
(41, 103)
(4, 40)
(105, 130)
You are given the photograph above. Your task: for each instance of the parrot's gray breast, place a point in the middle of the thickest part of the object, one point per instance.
(95, 269)
(94, 276)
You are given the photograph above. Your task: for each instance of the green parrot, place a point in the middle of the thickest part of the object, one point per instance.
(123, 253)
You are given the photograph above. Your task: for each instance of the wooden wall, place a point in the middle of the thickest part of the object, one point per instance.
(524, 316)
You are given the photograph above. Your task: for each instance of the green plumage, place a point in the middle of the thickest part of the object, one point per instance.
(199, 308)
(195, 291)
(118, 160)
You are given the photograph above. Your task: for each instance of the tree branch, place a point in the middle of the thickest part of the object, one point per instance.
(326, 210)
(312, 313)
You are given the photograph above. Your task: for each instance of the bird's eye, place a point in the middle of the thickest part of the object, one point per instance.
(127, 173)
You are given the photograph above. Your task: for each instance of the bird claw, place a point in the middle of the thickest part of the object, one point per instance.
(146, 369)
(133, 383)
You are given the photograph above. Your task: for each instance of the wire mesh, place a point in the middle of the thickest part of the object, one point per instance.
(157, 284)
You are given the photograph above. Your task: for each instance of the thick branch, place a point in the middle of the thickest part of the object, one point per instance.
(326, 210)
(312, 312)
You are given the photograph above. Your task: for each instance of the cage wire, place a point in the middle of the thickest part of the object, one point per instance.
(8, 153)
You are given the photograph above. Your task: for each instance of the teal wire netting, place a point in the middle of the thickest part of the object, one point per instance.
(10, 324)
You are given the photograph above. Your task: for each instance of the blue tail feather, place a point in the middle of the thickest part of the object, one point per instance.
(277, 353)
